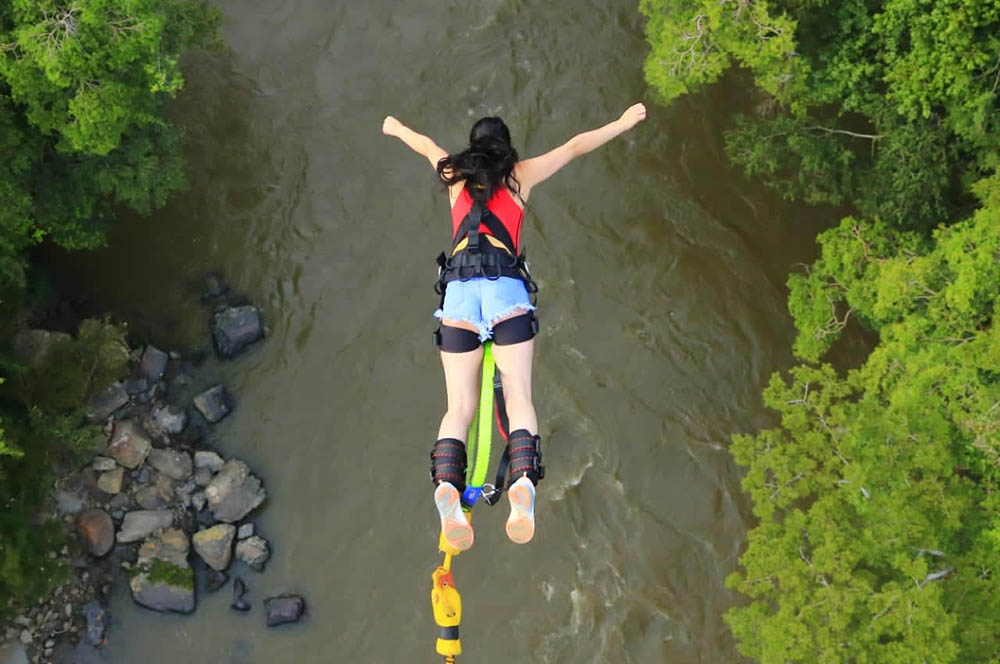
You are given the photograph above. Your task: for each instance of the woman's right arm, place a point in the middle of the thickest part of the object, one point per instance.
(422, 145)
(538, 169)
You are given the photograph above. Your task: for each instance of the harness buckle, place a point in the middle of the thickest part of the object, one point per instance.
(491, 494)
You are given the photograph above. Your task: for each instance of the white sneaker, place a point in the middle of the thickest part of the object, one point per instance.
(455, 528)
(521, 522)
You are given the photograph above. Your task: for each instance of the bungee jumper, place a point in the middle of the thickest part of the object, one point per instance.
(487, 311)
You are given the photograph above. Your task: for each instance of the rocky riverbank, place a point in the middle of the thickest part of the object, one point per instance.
(156, 507)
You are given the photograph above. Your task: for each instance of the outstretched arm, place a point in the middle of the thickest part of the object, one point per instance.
(538, 169)
(419, 143)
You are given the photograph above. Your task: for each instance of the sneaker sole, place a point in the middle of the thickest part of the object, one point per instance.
(455, 528)
(521, 522)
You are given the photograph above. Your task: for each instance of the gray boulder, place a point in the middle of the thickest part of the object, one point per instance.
(214, 403)
(253, 551)
(163, 580)
(235, 328)
(153, 363)
(171, 463)
(215, 545)
(95, 531)
(287, 608)
(140, 524)
(234, 492)
(129, 444)
(105, 402)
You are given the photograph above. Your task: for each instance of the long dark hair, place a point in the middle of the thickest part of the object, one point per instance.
(486, 163)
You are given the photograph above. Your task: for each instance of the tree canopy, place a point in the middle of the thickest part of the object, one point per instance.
(889, 106)
(82, 86)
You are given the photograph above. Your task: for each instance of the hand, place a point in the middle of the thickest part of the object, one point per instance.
(633, 115)
(391, 126)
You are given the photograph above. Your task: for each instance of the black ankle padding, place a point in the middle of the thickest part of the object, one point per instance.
(448, 463)
(525, 457)
(457, 340)
(515, 330)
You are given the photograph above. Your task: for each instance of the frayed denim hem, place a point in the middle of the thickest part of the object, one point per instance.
(524, 307)
(484, 332)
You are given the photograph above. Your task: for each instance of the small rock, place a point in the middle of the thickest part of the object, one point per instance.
(287, 608)
(245, 531)
(154, 363)
(136, 386)
(26, 637)
(157, 495)
(214, 403)
(239, 590)
(103, 463)
(214, 288)
(102, 404)
(171, 463)
(234, 492)
(215, 580)
(13, 652)
(253, 551)
(129, 444)
(235, 328)
(111, 481)
(202, 477)
(215, 545)
(198, 500)
(97, 623)
(165, 421)
(95, 531)
(207, 459)
(140, 524)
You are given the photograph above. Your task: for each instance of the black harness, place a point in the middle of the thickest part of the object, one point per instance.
(480, 257)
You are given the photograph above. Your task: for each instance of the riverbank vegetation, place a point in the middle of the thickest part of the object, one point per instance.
(878, 533)
(82, 132)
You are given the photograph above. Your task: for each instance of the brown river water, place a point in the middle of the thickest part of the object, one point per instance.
(662, 305)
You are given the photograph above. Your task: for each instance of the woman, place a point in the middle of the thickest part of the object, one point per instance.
(487, 296)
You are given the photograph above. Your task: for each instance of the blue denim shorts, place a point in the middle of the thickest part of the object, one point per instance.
(484, 302)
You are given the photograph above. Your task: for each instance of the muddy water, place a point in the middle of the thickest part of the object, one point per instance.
(662, 307)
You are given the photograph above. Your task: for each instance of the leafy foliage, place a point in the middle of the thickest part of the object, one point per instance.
(49, 380)
(879, 523)
(82, 85)
(890, 106)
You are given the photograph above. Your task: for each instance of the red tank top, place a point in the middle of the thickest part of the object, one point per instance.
(501, 204)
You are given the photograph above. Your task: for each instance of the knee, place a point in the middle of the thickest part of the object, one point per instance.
(462, 408)
(518, 400)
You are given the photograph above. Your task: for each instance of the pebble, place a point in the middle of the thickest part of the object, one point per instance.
(26, 637)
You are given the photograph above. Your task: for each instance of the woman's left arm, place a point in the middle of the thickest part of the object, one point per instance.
(419, 143)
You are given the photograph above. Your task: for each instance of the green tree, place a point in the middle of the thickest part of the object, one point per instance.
(82, 87)
(879, 528)
(889, 106)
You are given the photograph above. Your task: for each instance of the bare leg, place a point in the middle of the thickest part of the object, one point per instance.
(515, 362)
(461, 378)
